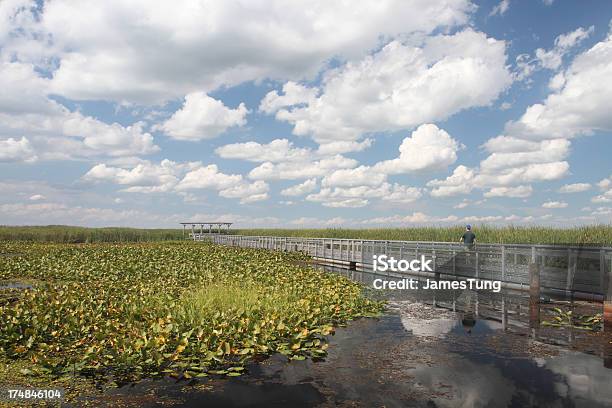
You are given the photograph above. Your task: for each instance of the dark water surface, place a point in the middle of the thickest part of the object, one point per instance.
(484, 353)
(7, 285)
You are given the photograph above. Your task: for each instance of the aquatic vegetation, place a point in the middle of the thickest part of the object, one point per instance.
(187, 309)
(566, 318)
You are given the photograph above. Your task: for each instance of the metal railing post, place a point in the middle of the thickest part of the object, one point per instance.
(602, 270)
(362, 253)
(569, 279)
(433, 256)
(503, 263)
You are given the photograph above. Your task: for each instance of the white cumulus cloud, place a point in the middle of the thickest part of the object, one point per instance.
(278, 150)
(306, 187)
(51, 130)
(460, 182)
(522, 153)
(203, 117)
(402, 86)
(427, 148)
(554, 204)
(145, 177)
(359, 176)
(293, 94)
(16, 150)
(574, 188)
(247, 192)
(579, 107)
(362, 195)
(208, 177)
(515, 192)
(605, 185)
(179, 178)
(552, 59)
(145, 51)
(296, 170)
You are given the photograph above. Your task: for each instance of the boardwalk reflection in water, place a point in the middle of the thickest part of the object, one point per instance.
(491, 344)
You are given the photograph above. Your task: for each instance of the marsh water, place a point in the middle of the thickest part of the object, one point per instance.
(430, 349)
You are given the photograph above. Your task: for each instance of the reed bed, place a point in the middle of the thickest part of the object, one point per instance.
(74, 235)
(588, 235)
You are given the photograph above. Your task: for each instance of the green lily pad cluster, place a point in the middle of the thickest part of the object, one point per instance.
(566, 318)
(186, 309)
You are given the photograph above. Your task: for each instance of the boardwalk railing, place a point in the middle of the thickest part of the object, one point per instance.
(562, 268)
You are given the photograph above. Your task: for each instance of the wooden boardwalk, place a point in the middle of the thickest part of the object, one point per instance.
(564, 269)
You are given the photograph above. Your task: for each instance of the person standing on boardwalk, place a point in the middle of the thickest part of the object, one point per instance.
(468, 238)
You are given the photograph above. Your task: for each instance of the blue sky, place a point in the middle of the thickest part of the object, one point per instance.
(305, 114)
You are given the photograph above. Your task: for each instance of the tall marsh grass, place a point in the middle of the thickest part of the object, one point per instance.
(68, 234)
(592, 234)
